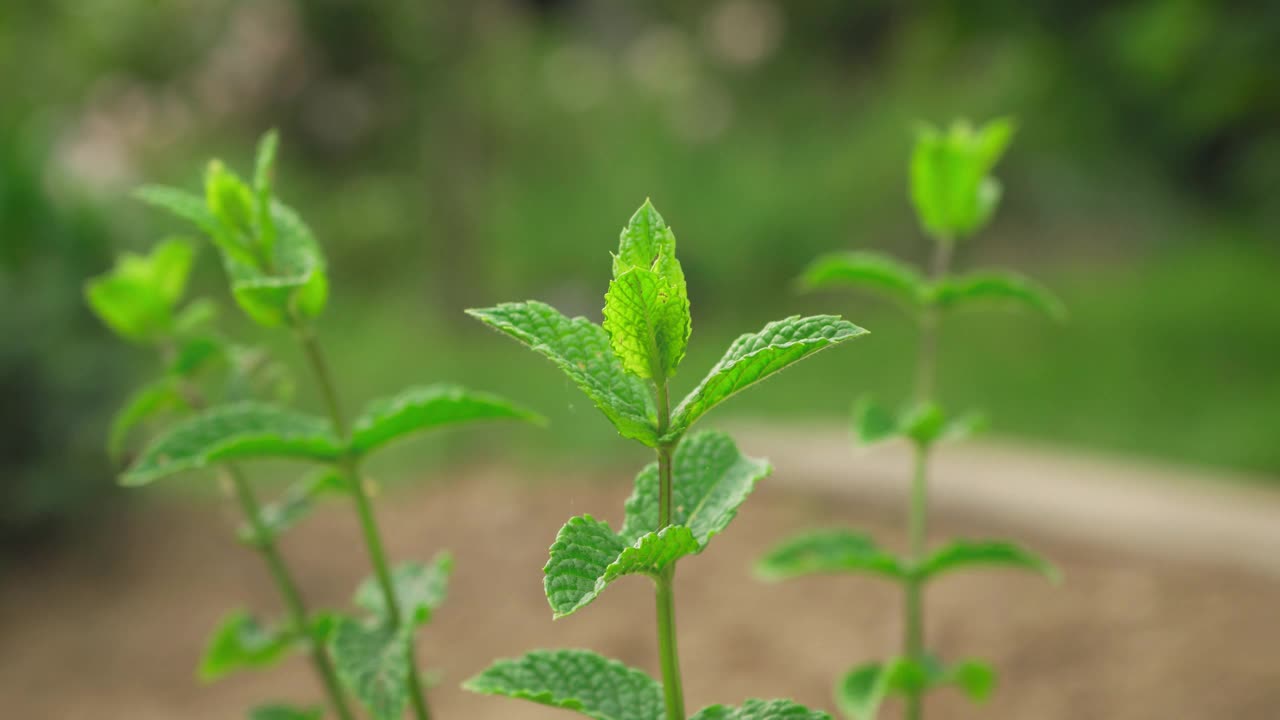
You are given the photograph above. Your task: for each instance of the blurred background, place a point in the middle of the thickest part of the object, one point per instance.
(450, 155)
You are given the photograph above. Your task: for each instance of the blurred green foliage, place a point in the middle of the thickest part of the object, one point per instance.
(449, 153)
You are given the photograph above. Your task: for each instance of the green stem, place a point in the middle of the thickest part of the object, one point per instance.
(293, 601)
(918, 511)
(350, 467)
(668, 654)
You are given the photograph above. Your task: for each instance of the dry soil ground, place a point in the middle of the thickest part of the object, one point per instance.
(110, 629)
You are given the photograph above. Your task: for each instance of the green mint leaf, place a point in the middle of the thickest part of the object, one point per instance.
(950, 184)
(373, 661)
(431, 406)
(295, 504)
(867, 271)
(233, 206)
(188, 206)
(196, 316)
(829, 551)
(989, 553)
(577, 680)
(648, 323)
(975, 678)
(263, 166)
(924, 423)
(646, 242)
(761, 710)
(582, 553)
(999, 289)
(145, 403)
(195, 354)
(136, 299)
(873, 422)
(862, 690)
(711, 478)
(294, 282)
(420, 589)
(755, 356)
(581, 349)
(234, 432)
(285, 712)
(240, 642)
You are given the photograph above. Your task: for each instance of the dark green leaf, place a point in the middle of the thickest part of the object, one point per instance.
(761, 710)
(581, 349)
(870, 271)
(296, 503)
(420, 589)
(424, 408)
(829, 551)
(234, 432)
(578, 680)
(197, 353)
(373, 661)
(584, 549)
(967, 553)
(755, 356)
(239, 643)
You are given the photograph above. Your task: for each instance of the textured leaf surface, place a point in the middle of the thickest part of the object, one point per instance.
(711, 478)
(761, 710)
(990, 553)
(581, 349)
(577, 680)
(145, 403)
(582, 553)
(648, 323)
(755, 356)
(234, 432)
(431, 406)
(240, 642)
(868, 271)
(285, 712)
(420, 589)
(998, 289)
(829, 551)
(374, 664)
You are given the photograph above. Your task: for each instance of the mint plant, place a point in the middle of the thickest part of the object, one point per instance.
(680, 502)
(954, 196)
(278, 277)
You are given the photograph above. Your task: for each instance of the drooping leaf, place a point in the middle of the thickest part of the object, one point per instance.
(999, 289)
(373, 661)
(648, 323)
(761, 710)
(646, 310)
(990, 553)
(285, 712)
(577, 680)
(951, 188)
(584, 549)
(830, 551)
(426, 407)
(145, 403)
(711, 478)
(867, 271)
(581, 349)
(234, 432)
(755, 356)
(296, 503)
(873, 422)
(420, 589)
(240, 642)
(649, 555)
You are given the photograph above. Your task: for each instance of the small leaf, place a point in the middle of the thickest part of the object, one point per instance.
(132, 309)
(829, 551)
(924, 423)
(295, 504)
(761, 710)
(197, 315)
(967, 553)
(263, 166)
(1000, 289)
(578, 680)
(648, 323)
(950, 184)
(145, 403)
(861, 691)
(711, 478)
(241, 643)
(295, 281)
(427, 407)
(181, 203)
(373, 661)
(195, 354)
(976, 679)
(420, 589)
(755, 356)
(285, 712)
(873, 422)
(584, 549)
(870, 271)
(581, 349)
(234, 432)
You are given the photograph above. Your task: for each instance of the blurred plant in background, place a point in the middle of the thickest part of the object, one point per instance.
(483, 144)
